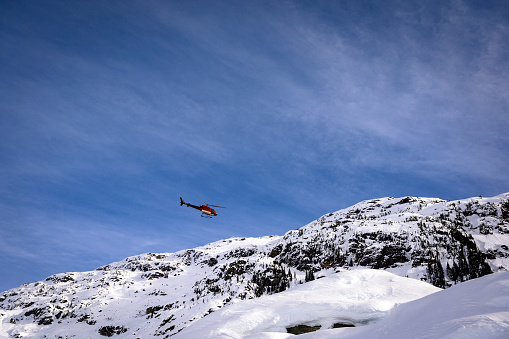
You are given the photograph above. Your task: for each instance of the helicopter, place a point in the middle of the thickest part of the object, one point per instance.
(206, 211)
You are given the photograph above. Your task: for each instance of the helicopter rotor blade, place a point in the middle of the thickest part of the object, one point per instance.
(201, 199)
(208, 204)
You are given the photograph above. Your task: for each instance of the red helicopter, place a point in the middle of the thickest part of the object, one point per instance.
(206, 211)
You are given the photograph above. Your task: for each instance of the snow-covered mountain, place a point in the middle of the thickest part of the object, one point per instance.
(431, 240)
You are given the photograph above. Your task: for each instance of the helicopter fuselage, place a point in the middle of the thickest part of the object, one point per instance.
(205, 210)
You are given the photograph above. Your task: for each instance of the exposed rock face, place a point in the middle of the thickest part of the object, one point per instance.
(442, 242)
(301, 329)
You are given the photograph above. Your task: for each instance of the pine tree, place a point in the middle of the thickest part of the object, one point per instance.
(436, 273)
(310, 276)
(452, 272)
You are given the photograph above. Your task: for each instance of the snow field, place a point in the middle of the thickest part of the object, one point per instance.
(352, 297)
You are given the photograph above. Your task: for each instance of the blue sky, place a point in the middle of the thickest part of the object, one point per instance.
(280, 110)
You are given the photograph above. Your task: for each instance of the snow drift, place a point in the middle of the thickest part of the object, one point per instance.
(474, 309)
(355, 297)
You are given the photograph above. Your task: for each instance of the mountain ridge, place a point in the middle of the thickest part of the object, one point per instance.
(429, 239)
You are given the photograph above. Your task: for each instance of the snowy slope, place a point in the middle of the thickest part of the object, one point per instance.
(475, 309)
(441, 242)
(355, 297)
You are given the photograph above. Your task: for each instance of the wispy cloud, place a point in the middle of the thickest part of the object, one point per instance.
(417, 97)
